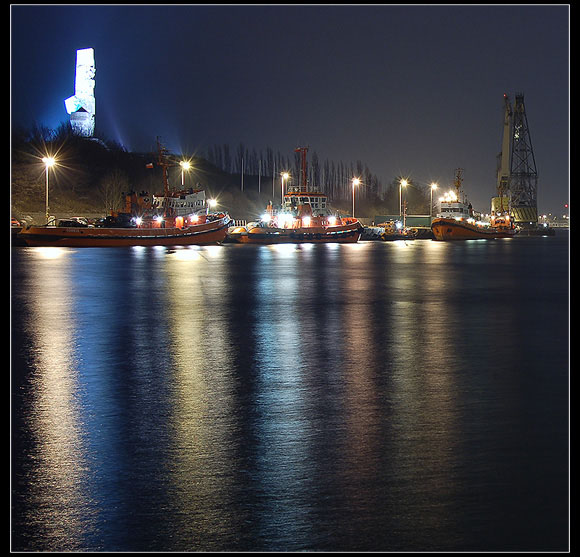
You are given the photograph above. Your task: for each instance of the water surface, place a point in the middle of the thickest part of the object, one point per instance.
(375, 396)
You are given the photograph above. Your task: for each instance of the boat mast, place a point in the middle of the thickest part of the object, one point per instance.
(458, 181)
(164, 164)
(302, 151)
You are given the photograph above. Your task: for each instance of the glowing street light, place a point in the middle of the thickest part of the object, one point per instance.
(355, 182)
(402, 184)
(433, 187)
(185, 165)
(285, 176)
(48, 162)
(211, 203)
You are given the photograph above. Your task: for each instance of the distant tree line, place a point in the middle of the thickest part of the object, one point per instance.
(330, 177)
(333, 178)
(97, 170)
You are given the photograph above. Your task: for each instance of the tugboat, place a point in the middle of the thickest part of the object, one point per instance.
(394, 230)
(142, 223)
(456, 221)
(304, 216)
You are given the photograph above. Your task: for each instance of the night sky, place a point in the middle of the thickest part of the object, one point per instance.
(408, 90)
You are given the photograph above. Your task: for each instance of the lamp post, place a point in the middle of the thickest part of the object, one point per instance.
(355, 182)
(285, 176)
(185, 165)
(48, 162)
(433, 187)
(402, 184)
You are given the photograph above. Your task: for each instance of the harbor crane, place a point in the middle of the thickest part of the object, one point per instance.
(517, 176)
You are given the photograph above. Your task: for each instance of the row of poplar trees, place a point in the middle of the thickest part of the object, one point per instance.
(334, 179)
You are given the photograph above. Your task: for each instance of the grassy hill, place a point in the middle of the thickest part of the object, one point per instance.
(88, 170)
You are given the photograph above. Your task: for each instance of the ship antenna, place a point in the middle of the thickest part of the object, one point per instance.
(458, 181)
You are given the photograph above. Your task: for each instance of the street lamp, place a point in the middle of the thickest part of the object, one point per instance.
(355, 182)
(48, 162)
(210, 203)
(285, 176)
(402, 184)
(185, 165)
(433, 187)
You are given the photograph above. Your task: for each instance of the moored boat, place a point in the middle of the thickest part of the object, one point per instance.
(304, 216)
(394, 230)
(175, 219)
(286, 228)
(456, 228)
(456, 219)
(206, 229)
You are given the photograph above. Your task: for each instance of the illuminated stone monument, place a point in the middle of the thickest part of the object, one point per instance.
(81, 106)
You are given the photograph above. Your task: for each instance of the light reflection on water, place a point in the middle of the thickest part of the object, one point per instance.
(53, 417)
(372, 396)
(203, 424)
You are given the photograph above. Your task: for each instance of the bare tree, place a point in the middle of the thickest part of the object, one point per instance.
(111, 189)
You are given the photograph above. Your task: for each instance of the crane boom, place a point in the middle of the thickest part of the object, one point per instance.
(503, 174)
(500, 204)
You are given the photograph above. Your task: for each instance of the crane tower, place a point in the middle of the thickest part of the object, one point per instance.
(517, 176)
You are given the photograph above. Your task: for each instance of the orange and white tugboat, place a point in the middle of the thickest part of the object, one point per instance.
(456, 220)
(304, 216)
(145, 221)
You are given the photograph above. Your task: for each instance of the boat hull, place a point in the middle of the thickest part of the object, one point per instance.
(445, 229)
(350, 233)
(212, 232)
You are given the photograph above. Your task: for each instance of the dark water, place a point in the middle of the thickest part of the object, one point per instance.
(377, 396)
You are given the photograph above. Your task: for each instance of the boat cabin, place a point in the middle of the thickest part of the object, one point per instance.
(317, 201)
(450, 206)
(182, 202)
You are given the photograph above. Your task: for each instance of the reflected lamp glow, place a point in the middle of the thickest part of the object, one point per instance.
(50, 252)
(186, 255)
(61, 453)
